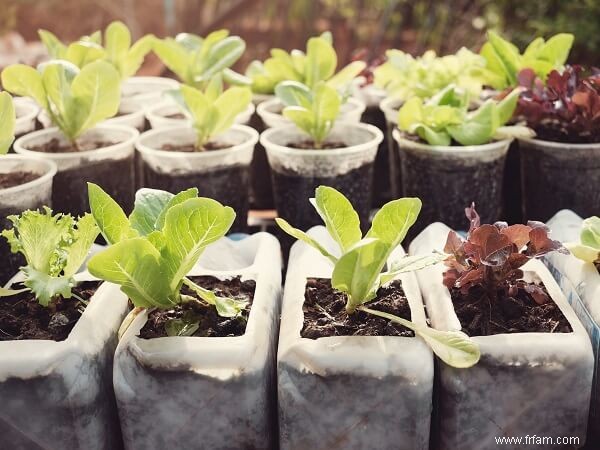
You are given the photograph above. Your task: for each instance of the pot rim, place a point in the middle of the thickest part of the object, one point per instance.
(22, 150)
(51, 167)
(154, 112)
(490, 146)
(560, 145)
(251, 133)
(376, 133)
(31, 114)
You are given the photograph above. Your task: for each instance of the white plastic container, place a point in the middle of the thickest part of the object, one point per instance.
(26, 112)
(350, 392)
(147, 91)
(219, 174)
(132, 114)
(158, 116)
(208, 392)
(580, 281)
(297, 173)
(58, 395)
(525, 384)
(270, 112)
(111, 167)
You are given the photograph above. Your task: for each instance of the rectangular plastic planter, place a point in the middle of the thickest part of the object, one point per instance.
(207, 392)
(350, 392)
(526, 384)
(580, 282)
(58, 395)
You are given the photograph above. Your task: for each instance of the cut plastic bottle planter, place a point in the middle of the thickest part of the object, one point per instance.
(207, 392)
(525, 384)
(58, 395)
(168, 114)
(350, 392)
(580, 282)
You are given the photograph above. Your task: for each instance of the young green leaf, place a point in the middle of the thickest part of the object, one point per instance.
(181, 327)
(588, 247)
(109, 216)
(302, 236)
(411, 264)
(7, 122)
(126, 58)
(226, 307)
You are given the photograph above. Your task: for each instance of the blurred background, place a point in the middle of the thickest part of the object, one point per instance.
(365, 26)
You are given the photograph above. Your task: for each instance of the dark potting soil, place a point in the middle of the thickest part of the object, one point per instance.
(23, 318)
(516, 314)
(309, 144)
(554, 132)
(211, 324)
(12, 179)
(325, 312)
(55, 146)
(446, 186)
(190, 148)
(552, 183)
(228, 185)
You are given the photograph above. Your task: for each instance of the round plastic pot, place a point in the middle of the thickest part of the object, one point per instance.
(110, 167)
(147, 91)
(390, 107)
(270, 112)
(219, 174)
(261, 187)
(448, 178)
(26, 112)
(131, 114)
(16, 199)
(557, 176)
(297, 173)
(160, 116)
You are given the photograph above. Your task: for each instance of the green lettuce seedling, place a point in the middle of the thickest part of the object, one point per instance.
(588, 247)
(316, 65)
(504, 61)
(117, 50)
(445, 117)
(213, 111)
(313, 111)
(196, 60)
(404, 76)
(54, 247)
(359, 271)
(7, 122)
(153, 249)
(74, 99)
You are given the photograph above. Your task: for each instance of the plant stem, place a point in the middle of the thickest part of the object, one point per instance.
(406, 323)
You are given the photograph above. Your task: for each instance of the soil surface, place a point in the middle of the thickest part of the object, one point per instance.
(55, 146)
(309, 144)
(517, 314)
(211, 324)
(23, 318)
(325, 312)
(191, 148)
(16, 178)
(228, 185)
(553, 131)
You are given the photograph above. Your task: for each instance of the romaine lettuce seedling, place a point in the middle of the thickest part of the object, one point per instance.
(359, 271)
(117, 50)
(152, 250)
(316, 65)
(54, 247)
(445, 117)
(7, 122)
(213, 111)
(313, 111)
(404, 76)
(74, 99)
(196, 60)
(588, 247)
(504, 61)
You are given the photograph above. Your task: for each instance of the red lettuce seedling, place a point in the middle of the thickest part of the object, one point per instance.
(566, 108)
(492, 256)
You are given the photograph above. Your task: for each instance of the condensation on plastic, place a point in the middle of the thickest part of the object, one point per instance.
(26, 112)
(270, 112)
(124, 138)
(33, 193)
(364, 391)
(58, 395)
(241, 137)
(362, 140)
(580, 282)
(147, 91)
(157, 116)
(524, 384)
(219, 392)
